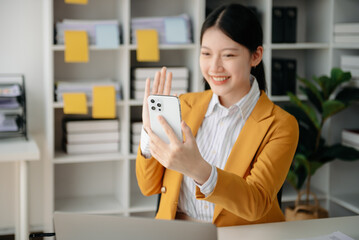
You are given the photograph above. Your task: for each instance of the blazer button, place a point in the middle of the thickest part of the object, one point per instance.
(163, 189)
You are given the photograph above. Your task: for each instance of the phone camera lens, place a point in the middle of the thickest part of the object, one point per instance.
(158, 104)
(159, 109)
(152, 101)
(153, 108)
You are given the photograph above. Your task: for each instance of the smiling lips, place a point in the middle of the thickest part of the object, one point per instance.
(219, 80)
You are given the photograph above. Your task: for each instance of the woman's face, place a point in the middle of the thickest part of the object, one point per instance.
(226, 66)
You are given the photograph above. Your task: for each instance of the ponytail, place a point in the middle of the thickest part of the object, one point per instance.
(258, 72)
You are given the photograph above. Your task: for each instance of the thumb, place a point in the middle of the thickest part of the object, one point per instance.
(187, 131)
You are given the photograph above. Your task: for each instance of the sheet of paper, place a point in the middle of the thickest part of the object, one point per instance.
(334, 236)
(76, 1)
(107, 36)
(75, 103)
(104, 102)
(76, 46)
(147, 45)
(175, 30)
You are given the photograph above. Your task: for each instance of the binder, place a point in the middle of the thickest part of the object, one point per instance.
(283, 76)
(290, 25)
(278, 24)
(277, 77)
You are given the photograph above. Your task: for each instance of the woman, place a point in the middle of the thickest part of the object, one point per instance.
(238, 145)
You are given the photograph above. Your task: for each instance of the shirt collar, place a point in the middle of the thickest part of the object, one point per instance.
(245, 105)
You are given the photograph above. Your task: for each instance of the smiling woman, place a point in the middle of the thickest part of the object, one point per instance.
(238, 145)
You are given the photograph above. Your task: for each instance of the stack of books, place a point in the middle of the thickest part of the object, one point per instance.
(346, 32)
(91, 136)
(351, 64)
(350, 138)
(97, 30)
(84, 86)
(179, 80)
(136, 128)
(171, 30)
(284, 25)
(283, 76)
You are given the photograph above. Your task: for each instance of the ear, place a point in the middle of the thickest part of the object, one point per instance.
(256, 56)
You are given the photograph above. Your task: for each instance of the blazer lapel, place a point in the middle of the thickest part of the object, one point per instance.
(249, 140)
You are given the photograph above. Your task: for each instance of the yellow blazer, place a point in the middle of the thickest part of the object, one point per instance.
(246, 190)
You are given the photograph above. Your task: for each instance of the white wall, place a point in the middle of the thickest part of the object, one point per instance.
(21, 51)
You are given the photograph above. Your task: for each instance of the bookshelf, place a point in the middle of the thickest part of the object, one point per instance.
(106, 183)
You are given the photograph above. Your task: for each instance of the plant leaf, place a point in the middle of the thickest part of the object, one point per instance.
(348, 95)
(323, 83)
(313, 93)
(331, 107)
(338, 151)
(292, 178)
(309, 111)
(337, 77)
(314, 165)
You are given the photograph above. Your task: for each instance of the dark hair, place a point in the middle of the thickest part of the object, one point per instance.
(242, 26)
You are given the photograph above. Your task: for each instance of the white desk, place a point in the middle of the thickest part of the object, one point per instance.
(19, 151)
(292, 230)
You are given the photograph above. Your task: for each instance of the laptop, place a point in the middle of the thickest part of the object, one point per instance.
(94, 227)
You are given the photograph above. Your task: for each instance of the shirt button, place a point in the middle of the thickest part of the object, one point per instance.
(163, 189)
(205, 207)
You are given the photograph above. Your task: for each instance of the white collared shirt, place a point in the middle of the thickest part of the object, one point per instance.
(215, 139)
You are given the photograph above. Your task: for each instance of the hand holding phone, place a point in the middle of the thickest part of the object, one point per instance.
(168, 107)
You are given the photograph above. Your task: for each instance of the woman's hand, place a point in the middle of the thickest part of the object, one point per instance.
(161, 86)
(183, 157)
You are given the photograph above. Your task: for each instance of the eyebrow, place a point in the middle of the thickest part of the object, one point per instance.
(232, 49)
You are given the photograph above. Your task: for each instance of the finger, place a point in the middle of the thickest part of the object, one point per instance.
(162, 80)
(156, 83)
(187, 131)
(168, 130)
(168, 84)
(156, 140)
(147, 90)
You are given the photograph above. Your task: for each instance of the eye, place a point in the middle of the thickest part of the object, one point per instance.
(228, 55)
(205, 53)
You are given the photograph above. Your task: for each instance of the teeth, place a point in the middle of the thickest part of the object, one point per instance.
(219, 79)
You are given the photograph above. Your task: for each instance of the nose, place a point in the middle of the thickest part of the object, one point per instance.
(216, 64)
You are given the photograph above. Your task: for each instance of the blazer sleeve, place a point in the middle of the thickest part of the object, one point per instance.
(252, 196)
(149, 174)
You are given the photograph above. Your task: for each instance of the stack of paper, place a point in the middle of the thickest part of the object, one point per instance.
(8, 123)
(351, 64)
(136, 128)
(84, 86)
(350, 138)
(346, 32)
(91, 136)
(103, 33)
(171, 30)
(179, 80)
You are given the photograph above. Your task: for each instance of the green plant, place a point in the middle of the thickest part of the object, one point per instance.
(325, 97)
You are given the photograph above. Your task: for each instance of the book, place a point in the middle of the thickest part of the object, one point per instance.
(177, 72)
(350, 137)
(349, 38)
(136, 138)
(290, 25)
(277, 25)
(346, 27)
(136, 127)
(100, 137)
(93, 125)
(140, 84)
(92, 148)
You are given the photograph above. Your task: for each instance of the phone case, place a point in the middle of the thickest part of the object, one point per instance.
(169, 107)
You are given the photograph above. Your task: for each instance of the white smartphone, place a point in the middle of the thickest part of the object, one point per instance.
(169, 107)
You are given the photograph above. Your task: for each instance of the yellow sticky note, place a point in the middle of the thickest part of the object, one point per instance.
(76, 1)
(75, 103)
(103, 102)
(147, 45)
(76, 46)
